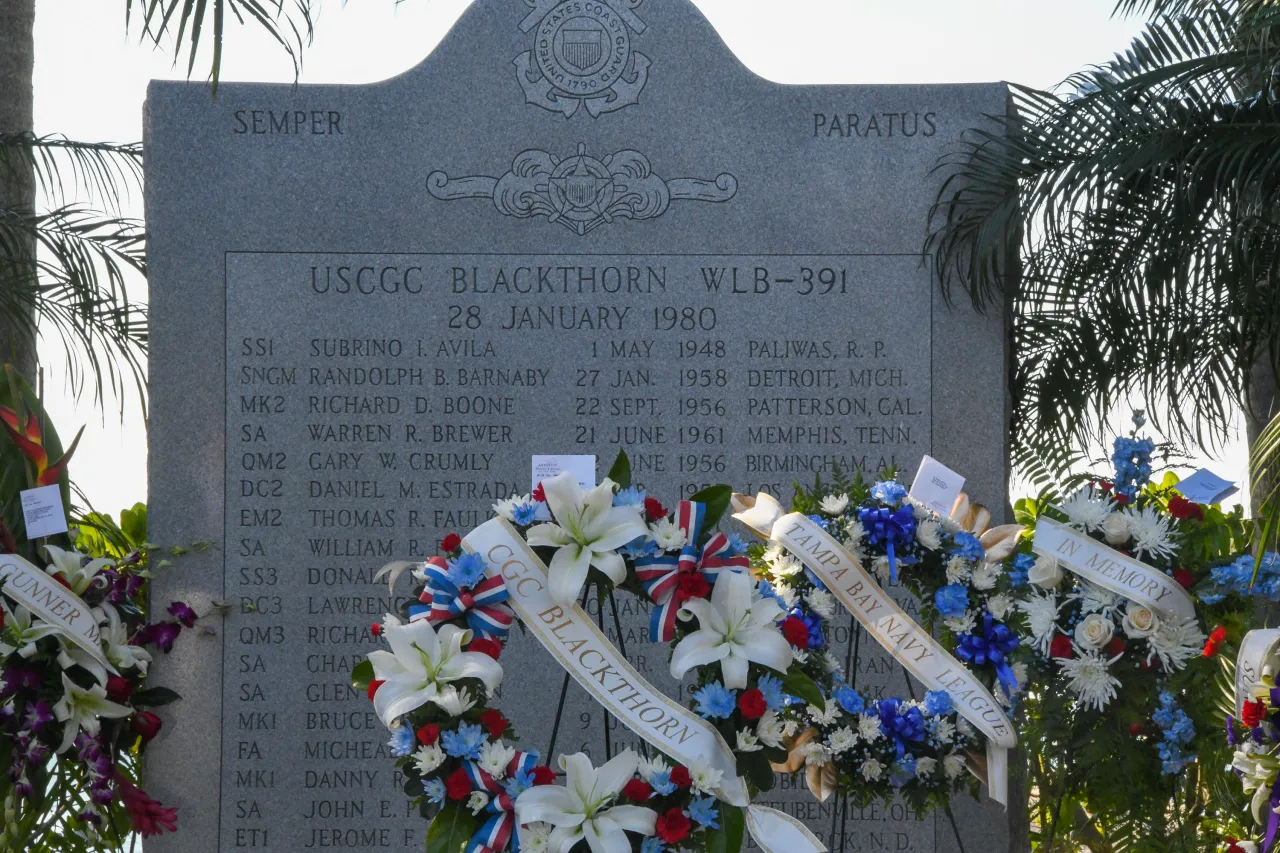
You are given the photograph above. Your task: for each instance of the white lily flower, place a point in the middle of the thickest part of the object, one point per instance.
(115, 639)
(581, 809)
(588, 530)
(79, 572)
(736, 626)
(81, 709)
(421, 665)
(19, 634)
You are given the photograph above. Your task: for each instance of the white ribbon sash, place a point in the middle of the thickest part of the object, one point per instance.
(1108, 568)
(1257, 657)
(889, 625)
(597, 665)
(54, 603)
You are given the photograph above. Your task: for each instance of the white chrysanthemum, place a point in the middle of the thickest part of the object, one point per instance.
(869, 727)
(961, 624)
(428, 758)
(1095, 599)
(824, 716)
(943, 729)
(958, 570)
(985, 576)
(786, 566)
(1042, 618)
(919, 510)
(953, 765)
(1085, 512)
(494, 758)
(800, 655)
(822, 602)
(773, 551)
(1175, 642)
(705, 777)
(1000, 605)
(925, 767)
(1089, 677)
(650, 767)
(834, 504)
(871, 769)
(507, 508)
(966, 728)
(786, 594)
(748, 741)
(1151, 532)
(842, 740)
(771, 729)
(534, 837)
(880, 568)
(929, 534)
(477, 801)
(854, 531)
(668, 535)
(814, 753)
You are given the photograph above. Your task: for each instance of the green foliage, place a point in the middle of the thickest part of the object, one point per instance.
(451, 829)
(620, 471)
(733, 824)
(716, 498)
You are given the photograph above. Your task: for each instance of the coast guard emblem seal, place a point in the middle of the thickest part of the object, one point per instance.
(581, 56)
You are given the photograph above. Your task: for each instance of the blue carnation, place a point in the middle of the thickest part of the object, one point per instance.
(888, 492)
(518, 784)
(937, 703)
(465, 742)
(652, 844)
(850, 700)
(771, 687)
(402, 741)
(641, 546)
(824, 523)
(434, 789)
(968, 546)
(467, 570)
(630, 496)
(525, 514)
(951, 600)
(704, 811)
(660, 781)
(737, 546)
(812, 623)
(715, 701)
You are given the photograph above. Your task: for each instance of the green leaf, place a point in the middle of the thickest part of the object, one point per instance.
(362, 674)
(755, 767)
(620, 472)
(728, 837)
(451, 830)
(153, 697)
(716, 500)
(798, 684)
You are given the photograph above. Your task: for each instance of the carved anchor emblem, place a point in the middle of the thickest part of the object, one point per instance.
(581, 192)
(582, 56)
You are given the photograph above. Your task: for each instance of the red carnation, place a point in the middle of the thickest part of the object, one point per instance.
(373, 688)
(1115, 647)
(1253, 712)
(494, 723)
(638, 790)
(1106, 486)
(796, 632)
(1061, 647)
(692, 585)
(376, 629)
(680, 776)
(1135, 729)
(539, 495)
(1180, 507)
(119, 689)
(450, 543)
(1218, 635)
(1121, 499)
(428, 734)
(654, 510)
(1184, 578)
(146, 725)
(673, 827)
(458, 785)
(485, 646)
(543, 775)
(752, 704)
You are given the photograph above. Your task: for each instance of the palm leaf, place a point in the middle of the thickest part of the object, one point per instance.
(66, 169)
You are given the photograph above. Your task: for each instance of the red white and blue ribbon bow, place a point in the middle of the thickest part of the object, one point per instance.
(660, 575)
(499, 828)
(482, 604)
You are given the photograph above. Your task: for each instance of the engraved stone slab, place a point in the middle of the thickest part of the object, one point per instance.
(576, 226)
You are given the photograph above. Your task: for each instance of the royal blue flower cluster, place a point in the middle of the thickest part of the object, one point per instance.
(1176, 730)
(1238, 577)
(1132, 458)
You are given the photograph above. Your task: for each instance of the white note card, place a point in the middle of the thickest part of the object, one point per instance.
(936, 486)
(1206, 487)
(581, 466)
(42, 512)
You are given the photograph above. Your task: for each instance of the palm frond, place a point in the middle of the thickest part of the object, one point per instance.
(65, 169)
(289, 22)
(67, 270)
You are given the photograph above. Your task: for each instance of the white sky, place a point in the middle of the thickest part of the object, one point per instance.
(91, 81)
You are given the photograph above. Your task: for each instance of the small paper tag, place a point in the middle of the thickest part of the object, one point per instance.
(1206, 487)
(42, 511)
(582, 466)
(936, 486)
